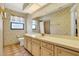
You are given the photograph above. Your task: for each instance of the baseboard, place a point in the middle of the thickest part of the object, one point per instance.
(11, 44)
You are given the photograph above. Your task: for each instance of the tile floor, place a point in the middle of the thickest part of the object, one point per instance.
(15, 50)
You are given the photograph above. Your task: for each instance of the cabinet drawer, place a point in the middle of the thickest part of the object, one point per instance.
(47, 45)
(44, 44)
(36, 41)
(65, 52)
(26, 37)
(29, 39)
(46, 52)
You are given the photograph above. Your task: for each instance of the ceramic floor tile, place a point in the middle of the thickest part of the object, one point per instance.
(15, 50)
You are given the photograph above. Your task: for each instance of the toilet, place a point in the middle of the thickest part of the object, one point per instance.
(21, 40)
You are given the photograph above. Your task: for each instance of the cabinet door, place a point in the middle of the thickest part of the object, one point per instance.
(35, 49)
(25, 42)
(45, 52)
(29, 45)
(64, 52)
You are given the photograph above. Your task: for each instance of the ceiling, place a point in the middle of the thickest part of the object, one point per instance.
(36, 9)
(28, 8)
(31, 8)
(15, 6)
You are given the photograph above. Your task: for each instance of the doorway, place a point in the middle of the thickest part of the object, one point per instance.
(47, 27)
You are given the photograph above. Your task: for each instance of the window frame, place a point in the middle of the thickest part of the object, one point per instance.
(34, 25)
(16, 28)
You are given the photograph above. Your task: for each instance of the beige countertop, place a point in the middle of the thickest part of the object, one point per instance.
(68, 42)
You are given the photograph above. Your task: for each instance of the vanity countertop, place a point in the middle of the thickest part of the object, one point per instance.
(69, 42)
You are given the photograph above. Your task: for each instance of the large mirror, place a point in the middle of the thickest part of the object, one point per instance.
(61, 22)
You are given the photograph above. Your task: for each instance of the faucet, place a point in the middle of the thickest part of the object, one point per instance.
(42, 34)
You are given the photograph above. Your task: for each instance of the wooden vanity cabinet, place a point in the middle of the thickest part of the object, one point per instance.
(46, 49)
(42, 48)
(64, 52)
(36, 47)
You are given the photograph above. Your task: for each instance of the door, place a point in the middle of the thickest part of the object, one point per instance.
(41, 27)
(1, 35)
(47, 27)
(35, 49)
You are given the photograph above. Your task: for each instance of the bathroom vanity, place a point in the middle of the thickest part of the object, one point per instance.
(51, 45)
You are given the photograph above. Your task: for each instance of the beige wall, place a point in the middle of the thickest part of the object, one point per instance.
(1, 35)
(10, 36)
(78, 17)
(60, 23)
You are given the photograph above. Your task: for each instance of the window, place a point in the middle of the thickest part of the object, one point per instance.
(33, 24)
(17, 23)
